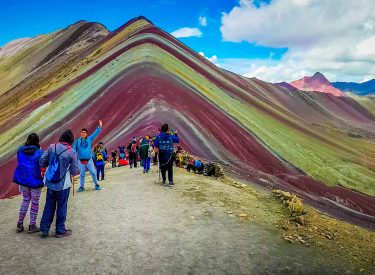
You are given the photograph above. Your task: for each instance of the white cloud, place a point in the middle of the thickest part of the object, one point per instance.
(187, 32)
(203, 21)
(336, 37)
(213, 59)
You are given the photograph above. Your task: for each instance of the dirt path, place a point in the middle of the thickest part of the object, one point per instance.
(136, 226)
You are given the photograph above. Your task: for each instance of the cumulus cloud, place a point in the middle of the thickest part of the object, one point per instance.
(336, 37)
(203, 21)
(213, 58)
(187, 32)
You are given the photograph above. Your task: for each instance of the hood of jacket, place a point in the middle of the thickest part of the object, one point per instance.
(29, 150)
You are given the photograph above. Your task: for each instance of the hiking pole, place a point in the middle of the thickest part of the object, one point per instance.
(157, 159)
(73, 185)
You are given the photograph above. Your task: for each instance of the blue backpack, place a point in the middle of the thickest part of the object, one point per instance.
(53, 171)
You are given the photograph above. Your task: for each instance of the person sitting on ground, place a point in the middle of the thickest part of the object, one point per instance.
(28, 176)
(62, 163)
(83, 146)
(100, 158)
(121, 151)
(190, 165)
(114, 158)
(199, 166)
(179, 157)
(164, 147)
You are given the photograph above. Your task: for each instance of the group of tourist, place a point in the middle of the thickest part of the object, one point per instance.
(56, 167)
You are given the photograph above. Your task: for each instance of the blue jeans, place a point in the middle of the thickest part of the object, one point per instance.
(56, 201)
(82, 170)
(99, 169)
(146, 164)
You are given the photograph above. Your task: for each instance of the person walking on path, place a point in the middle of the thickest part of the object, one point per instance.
(133, 149)
(83, 147)
(28, 176)
(146, 152)
(100, 157)
(164, 147)
(114, 158)
(62, 163)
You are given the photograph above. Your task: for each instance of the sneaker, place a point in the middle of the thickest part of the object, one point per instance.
(164, 183)
(81, 189)
(33, 228)
(67, 233)
(103, 178)
(144, 171)
(44, 235)
(97, 187)
(171, 183)
(19, 227)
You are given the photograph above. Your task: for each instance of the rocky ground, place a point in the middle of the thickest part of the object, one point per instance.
(200, 226)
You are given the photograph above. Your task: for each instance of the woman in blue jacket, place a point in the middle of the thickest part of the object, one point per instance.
(28, 176)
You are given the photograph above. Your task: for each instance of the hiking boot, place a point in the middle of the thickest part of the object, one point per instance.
(97, 187)
(81, 189)
(44, 235)
(33, 228)
(19, 227)
(67, 233)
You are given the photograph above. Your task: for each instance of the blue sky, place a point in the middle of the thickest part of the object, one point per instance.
(273, 40)
(29, 18)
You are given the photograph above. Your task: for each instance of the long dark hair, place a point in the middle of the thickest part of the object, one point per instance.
(32, 140)
(67, 137)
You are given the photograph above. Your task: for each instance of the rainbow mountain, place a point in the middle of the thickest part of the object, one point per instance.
(317, 145)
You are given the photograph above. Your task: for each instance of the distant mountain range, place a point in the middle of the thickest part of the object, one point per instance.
(364, 88)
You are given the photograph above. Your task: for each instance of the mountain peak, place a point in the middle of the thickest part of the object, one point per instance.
(316, 83)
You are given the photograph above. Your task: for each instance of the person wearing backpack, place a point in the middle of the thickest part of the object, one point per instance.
(145, 154)
(165, 148)
(100, 157)
(62, 163)
(28, 176)
(83, 147)
(133, 153)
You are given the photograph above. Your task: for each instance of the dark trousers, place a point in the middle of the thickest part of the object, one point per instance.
(167, 167)
(133, 159)
(99, 169)
(56, 201)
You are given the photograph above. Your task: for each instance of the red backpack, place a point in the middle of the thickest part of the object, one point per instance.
(133, 148)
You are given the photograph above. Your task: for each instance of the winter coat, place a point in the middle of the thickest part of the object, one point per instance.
(144, 149)
(28, 171)
(164, 143)
(68, 164)
(83, 146)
